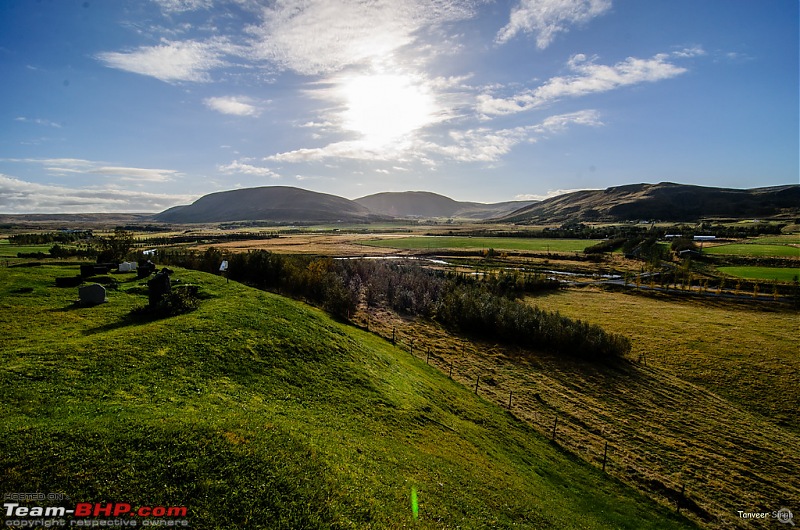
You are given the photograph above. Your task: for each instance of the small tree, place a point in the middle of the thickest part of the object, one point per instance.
(116, 247)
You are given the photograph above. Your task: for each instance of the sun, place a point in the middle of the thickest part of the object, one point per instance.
(385, 108)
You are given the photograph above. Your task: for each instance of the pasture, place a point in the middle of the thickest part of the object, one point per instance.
(781, 274)
(478, 243)
(754, 249)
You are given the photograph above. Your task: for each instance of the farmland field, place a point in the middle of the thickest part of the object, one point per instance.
(763, 273)
(8, 250)
(735, 352)
(754, 249)
(497, 243)
(685, 414)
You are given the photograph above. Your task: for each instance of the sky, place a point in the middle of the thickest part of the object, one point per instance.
(140, 105)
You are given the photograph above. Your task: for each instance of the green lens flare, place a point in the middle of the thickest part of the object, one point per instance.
(414, 505)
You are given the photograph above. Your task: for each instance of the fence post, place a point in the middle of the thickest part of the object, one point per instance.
(510, 393)
(476, 384)
(451, 369)
(392, 335)
(411, 347)
(682, 497)
(605, 456)
(555, 424)
(428, 357)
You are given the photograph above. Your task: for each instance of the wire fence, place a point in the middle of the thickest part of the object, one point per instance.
(569, 432)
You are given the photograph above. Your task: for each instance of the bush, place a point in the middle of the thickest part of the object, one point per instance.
(178, 301)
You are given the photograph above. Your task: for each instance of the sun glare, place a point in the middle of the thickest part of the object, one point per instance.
(386, 107)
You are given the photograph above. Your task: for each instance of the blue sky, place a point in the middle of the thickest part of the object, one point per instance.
(136, 106)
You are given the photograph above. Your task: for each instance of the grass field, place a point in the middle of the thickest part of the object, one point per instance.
(497, 243)
(255, 411)
(712, 406)
(754, 249)
(733, 351)
(10, 251)
(783, 239)
(762, 273)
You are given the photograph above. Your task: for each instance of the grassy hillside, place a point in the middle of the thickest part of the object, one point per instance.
(273, 203)
(711, 405)
(665, 201)
(255, 411)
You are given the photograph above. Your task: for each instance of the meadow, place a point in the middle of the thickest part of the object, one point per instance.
(754, 249)
(477, 243)
(781, 274)
(256, 411)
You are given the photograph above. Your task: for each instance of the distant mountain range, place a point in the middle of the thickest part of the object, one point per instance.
(664, 201)
(287, 204)
(284, 204)
(425, 204)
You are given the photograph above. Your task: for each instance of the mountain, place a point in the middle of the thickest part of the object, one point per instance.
(271, 203)
(427, 204)
(665, 201)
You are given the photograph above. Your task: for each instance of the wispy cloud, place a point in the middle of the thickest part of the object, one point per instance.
(179, 6)
(38, 121)
(170, 61)
(548, 195)
(589, 78)
(547, 18)
(481, 144)
(19, 196)
(488, 145)
(233, 105)
(136, 174)
(324, 36)
(76, 166)
(247, 169)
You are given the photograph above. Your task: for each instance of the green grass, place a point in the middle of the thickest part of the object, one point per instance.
(8, 250)
(256, 411)
(754, 249)
(762, 273)
(497, 243)
(734, 351)
(783, 239)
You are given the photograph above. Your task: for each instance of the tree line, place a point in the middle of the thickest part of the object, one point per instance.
(485, 306)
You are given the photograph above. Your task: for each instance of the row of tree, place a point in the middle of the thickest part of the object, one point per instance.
(485, 306)
(64, 236)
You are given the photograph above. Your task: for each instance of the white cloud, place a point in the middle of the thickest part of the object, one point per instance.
(19, 196)
(233, 105)
(324, 36)
(38, 121)
(348, 149)
(550, 194)
(78, 166)
(546, 18)
(487, 145)
(247, 169)
(171, 61)
(590, 78)
(179, 6)
(473, 145)
(136, 174)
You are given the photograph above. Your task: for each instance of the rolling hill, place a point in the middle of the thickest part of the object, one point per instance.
(665, 201)
(256, 411)
(284, 204)
(429, 205)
